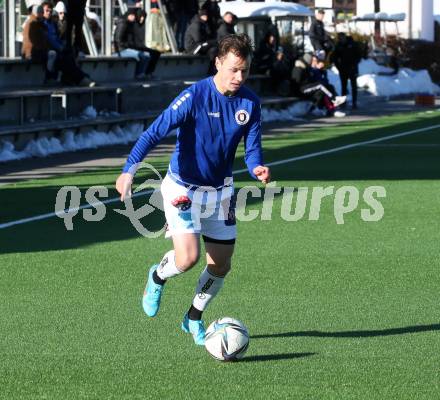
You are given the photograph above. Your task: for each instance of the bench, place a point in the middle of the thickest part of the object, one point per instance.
(21, 134)
(20, 73)
(105, 69)
(27, 106)
(18, 107)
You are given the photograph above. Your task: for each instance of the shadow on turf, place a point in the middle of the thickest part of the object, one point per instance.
(273, 357)
(354, 334)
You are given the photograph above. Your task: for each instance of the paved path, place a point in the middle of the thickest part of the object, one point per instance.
(114, 156)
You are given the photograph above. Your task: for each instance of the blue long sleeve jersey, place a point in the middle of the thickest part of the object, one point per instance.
(210, 127)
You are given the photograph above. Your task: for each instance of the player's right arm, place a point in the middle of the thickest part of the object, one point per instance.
(171, 118)
(123, 185)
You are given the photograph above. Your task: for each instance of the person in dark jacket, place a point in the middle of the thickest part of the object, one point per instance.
(214, 17)
(75, 12)
(305, 84)
(265, 56)
(346, 57)
(318, 36)
(60, 57)
(227, 27)
(181, 13)
(198, 41)
(280, 73)
(301, 75)
(129, 42)
(319, 71)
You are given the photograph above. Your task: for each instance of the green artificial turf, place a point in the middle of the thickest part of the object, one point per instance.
(335, 311)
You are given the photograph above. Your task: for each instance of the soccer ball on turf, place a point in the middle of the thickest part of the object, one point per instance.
(227, 339)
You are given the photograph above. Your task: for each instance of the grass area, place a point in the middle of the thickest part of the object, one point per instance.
(335, 311)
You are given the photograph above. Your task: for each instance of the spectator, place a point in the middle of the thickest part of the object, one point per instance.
(75, 11)
(59, 55)
(305, 85)
(42, 44)
(126, 42)
(393, 62)
(227, 26)
(265, 56)
(197, 40)
(273, 30)
(156, 32)
(319, 72)
(181, 12)
(214, 17)
(35, 45)
(139, 42)
(280, 73)
(301, 75)
(61, 20)
(318, 36)
(346, 57)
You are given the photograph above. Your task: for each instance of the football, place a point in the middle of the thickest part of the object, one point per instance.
(227, 339)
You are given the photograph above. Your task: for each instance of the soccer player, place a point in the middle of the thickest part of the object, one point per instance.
(212, 116)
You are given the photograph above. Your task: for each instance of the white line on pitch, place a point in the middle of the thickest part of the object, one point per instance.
(239, 171)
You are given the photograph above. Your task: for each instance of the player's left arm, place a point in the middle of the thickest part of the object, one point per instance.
(253, 148)
(262, 173)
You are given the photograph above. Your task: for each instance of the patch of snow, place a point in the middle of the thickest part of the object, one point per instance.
(43, 147)
(89, 112)
(292, 113)
(406, 81)
(377, 80)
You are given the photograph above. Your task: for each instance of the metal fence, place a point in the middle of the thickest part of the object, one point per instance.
(98, 28)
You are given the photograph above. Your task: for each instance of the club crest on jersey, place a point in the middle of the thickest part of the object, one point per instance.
(242, 117)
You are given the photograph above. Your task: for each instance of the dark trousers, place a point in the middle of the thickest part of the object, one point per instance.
(154, 58)
(181, 25)
(75, 18)
(344, 76)
(71, 73)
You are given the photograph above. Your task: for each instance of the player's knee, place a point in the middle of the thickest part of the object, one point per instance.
(187, 260)
(220, 269)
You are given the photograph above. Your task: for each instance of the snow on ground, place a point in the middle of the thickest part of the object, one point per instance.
(378, 80)
(370, 66)
(292, 113)
(372, 77)
(71, 142)
(406, 81)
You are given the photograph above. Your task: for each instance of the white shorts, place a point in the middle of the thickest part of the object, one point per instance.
(204, 211)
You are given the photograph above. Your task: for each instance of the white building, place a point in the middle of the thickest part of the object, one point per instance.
(419, 21)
